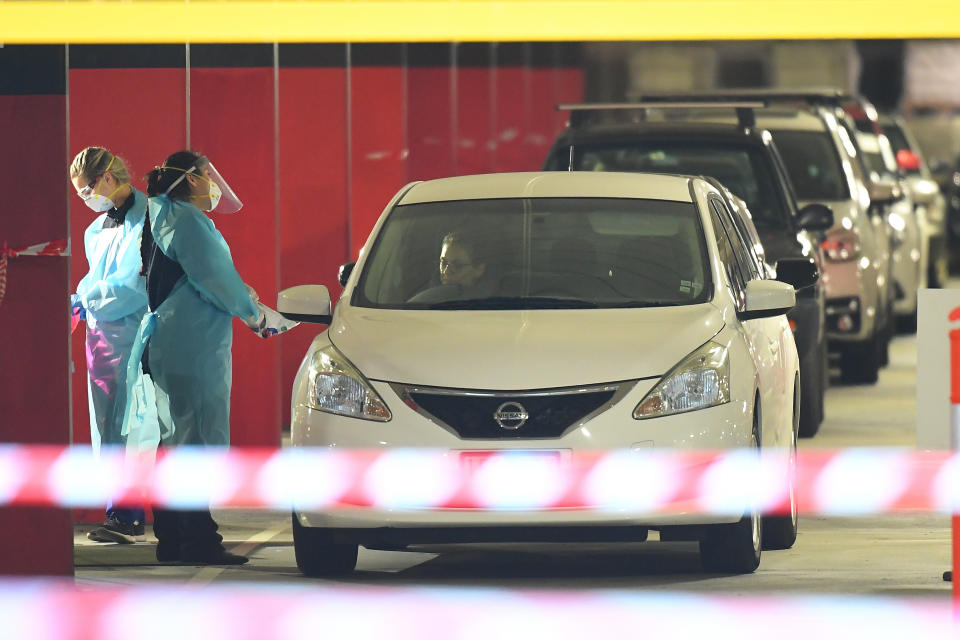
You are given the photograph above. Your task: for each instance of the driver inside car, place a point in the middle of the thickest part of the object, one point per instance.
(462, 267)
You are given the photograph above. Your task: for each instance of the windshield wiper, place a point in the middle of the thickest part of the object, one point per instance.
(515, 303)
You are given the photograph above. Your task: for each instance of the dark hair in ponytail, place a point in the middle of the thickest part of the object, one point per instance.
(160, 179)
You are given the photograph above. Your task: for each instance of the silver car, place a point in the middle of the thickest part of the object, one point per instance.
(825, 165)
(908, 235)
(929, 204)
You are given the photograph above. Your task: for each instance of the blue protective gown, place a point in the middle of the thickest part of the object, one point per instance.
(191, 332)
(113, 298)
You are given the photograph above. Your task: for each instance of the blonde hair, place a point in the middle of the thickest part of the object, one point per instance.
(93, 162)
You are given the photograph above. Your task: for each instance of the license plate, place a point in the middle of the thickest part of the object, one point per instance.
(471, 461)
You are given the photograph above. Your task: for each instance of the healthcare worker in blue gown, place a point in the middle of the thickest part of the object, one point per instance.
(112, 298)
(194, 293)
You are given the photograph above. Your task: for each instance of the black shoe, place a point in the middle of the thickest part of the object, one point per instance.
(220, 556)
(164, 554)
(114, 530)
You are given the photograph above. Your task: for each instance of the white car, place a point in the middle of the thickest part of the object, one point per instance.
(551, 313)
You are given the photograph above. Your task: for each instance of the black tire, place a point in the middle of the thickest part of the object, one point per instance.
(318, 555)
(907, 323)
(734, 548)
(780, 532)
(887, 333)
(811, 397)
(939, 268)
(860, 361)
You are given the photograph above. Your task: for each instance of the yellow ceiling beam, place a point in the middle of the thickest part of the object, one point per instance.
(173, 21)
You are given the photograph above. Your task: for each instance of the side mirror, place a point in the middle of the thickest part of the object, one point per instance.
(799, 273)
(767, 298)
(815, 217)
(924, 191)
(908, 160)
(884, 190)
(344, 273)
(305, 303)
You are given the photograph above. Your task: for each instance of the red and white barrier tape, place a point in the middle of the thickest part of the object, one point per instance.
(42, 610)
(842, 482)
(56, 248)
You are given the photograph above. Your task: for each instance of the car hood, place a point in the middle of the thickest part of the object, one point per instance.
(534, 349)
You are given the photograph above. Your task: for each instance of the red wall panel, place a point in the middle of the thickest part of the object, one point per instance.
(313, 196)
(511, 115)
(541, 119)
(475, 145)
(34, 326)
(377, 140)
(569, 90)
(150, 125)
(232, 122)
(429, 123)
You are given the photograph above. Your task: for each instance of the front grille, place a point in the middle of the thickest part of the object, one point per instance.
(472, 415)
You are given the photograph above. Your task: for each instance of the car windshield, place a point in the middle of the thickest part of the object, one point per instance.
(537, 253)
(741, 170)
(812, 164)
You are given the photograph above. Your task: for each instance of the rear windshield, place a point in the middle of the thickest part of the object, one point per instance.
(812, 164)
(537, 253)
(745, 172)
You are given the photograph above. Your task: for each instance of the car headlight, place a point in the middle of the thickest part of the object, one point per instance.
(841, 247)
(335, 386)
(701, 380)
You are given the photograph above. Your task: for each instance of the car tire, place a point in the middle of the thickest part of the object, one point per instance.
(811, 396)
(907, 323)
(939, 269)
(824, 381)
(734, 548)
(318, 555)
(889, 330)
(780, 532)
(860, 361)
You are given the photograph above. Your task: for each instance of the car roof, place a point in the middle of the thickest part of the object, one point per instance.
(552, 184)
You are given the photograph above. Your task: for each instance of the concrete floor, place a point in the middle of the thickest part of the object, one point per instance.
(894, 555)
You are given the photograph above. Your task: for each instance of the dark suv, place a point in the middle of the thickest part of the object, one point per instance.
(742, 158)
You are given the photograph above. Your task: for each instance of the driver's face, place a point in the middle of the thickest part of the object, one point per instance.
(456, 266)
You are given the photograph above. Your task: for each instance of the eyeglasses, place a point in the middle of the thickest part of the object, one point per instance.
(456, 265)
(87, 191)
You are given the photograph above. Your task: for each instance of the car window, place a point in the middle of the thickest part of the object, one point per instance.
(745, 264)
(898, 140)
(727, 258)
(529, 253)
(751, 258)
(743, 170)
(812, 164)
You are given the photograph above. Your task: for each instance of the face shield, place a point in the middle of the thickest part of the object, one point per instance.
(228, 201)
(220, 196)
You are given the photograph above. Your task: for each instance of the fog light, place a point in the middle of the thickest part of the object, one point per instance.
(845, 322)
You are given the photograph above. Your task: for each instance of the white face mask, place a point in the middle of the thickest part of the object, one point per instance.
(99, 203)
(215, 194)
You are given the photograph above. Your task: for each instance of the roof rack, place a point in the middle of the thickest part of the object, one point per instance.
(831, 96)
(743, 108)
